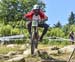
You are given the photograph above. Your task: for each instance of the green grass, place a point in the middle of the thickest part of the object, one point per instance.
(57, 43)
(4, 49)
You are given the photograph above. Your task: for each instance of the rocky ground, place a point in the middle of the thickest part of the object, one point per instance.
(21, 53)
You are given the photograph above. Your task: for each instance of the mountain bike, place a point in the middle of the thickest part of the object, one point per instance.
(34, 36)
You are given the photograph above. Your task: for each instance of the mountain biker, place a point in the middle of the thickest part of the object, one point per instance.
(37, 13)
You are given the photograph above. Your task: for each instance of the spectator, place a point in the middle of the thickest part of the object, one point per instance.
(71, 36)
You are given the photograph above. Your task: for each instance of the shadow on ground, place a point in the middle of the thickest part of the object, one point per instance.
(46, 58)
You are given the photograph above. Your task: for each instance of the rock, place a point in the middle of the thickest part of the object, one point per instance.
(20, 52)
(11, 53)
(19, 55)
(11, 46)
(54, 48)
(6, 57)
(27, 52)
(49, 50)
(17, 59)
(53, 52)
(23, 47)
(1, 56)
(67, 49)
(27, 45)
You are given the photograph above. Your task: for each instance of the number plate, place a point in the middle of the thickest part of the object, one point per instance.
(34, 23)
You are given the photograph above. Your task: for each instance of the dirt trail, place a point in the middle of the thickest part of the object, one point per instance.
(44, 54)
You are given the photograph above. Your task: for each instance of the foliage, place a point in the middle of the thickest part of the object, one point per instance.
(66, 29)
(71, 19)
(58, 25)
(5, 30)
(57, 32)
(13, 10)
(45, 41)
(18, 24)
(72, 28)
(15, 31)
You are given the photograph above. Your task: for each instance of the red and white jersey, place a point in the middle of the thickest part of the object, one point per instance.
(30, 15)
